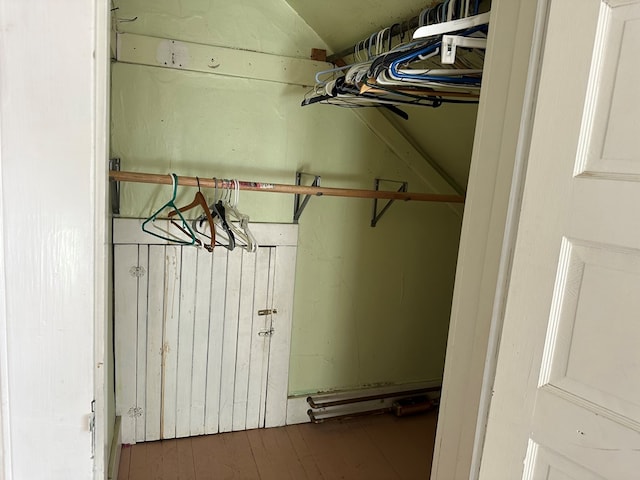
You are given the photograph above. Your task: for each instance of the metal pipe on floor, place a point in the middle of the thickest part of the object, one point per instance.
(381, 396)
(346, 416)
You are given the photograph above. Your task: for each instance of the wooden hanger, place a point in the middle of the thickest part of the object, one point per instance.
(199, 200)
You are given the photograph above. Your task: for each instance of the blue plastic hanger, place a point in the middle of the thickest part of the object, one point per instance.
(396, 65)
(171, 204)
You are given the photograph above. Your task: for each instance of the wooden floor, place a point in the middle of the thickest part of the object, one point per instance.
(382, 447)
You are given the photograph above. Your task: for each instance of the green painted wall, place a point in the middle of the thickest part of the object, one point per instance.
(270, 26)
(371, 305)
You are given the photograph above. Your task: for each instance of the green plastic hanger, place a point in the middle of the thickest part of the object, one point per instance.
(171, 204)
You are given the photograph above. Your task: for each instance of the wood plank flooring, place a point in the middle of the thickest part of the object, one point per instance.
(383, 447)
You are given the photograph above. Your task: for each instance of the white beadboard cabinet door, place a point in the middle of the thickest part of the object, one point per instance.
(202, 340)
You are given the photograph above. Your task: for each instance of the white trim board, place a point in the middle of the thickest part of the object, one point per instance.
(102, 249)
(297, 405)
(5, 412)
(129, 231)
(230, 62)
(511, 227)
(483, 232)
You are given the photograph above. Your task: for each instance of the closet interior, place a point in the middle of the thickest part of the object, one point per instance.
(244, 304)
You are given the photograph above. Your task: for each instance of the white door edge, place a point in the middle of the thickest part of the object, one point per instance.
(483, 230)
(100, 162)
(511, 230)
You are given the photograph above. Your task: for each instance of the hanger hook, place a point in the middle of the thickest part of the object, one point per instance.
(421, 17)
(391, 33)
(371, 39)
(237, 196)
(356, 52)
(174, 183)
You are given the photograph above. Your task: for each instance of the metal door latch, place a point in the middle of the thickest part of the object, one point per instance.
(267, 311)
(92, 427)
(266, 333)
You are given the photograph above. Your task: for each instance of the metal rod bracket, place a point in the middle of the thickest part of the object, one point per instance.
(298, 205)
(114, 187)
(375, 216)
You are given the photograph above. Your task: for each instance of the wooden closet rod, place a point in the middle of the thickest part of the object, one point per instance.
(159, 179)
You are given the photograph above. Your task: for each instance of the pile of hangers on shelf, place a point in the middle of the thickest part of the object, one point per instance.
(442, 64)
(220, 224)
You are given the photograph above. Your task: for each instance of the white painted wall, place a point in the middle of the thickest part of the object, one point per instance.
(51, 225)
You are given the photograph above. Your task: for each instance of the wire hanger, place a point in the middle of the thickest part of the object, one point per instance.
(170, 204)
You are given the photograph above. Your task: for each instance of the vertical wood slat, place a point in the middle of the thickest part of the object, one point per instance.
(125, 307)
(259, 344)
(215, 336)
(141, 361)
(186, 319)
(268, 323)
(200, 343)
(243, 347)
(230, 341)
(277, 384)
(170, 342)
(155, 315)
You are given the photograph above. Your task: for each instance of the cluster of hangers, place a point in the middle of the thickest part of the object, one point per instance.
(441, 64)
(219, 224)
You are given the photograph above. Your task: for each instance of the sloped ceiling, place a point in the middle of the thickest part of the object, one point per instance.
(342, 23)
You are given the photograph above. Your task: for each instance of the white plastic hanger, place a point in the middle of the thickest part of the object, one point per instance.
(451, 42)
(452, 26)
(234, 216)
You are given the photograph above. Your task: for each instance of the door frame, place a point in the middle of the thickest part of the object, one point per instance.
(89, 22)
(511, 229)
(104, 411)
(497, 175)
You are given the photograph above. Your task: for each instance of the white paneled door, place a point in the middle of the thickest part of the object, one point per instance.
(198, 338)
(566, 399)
